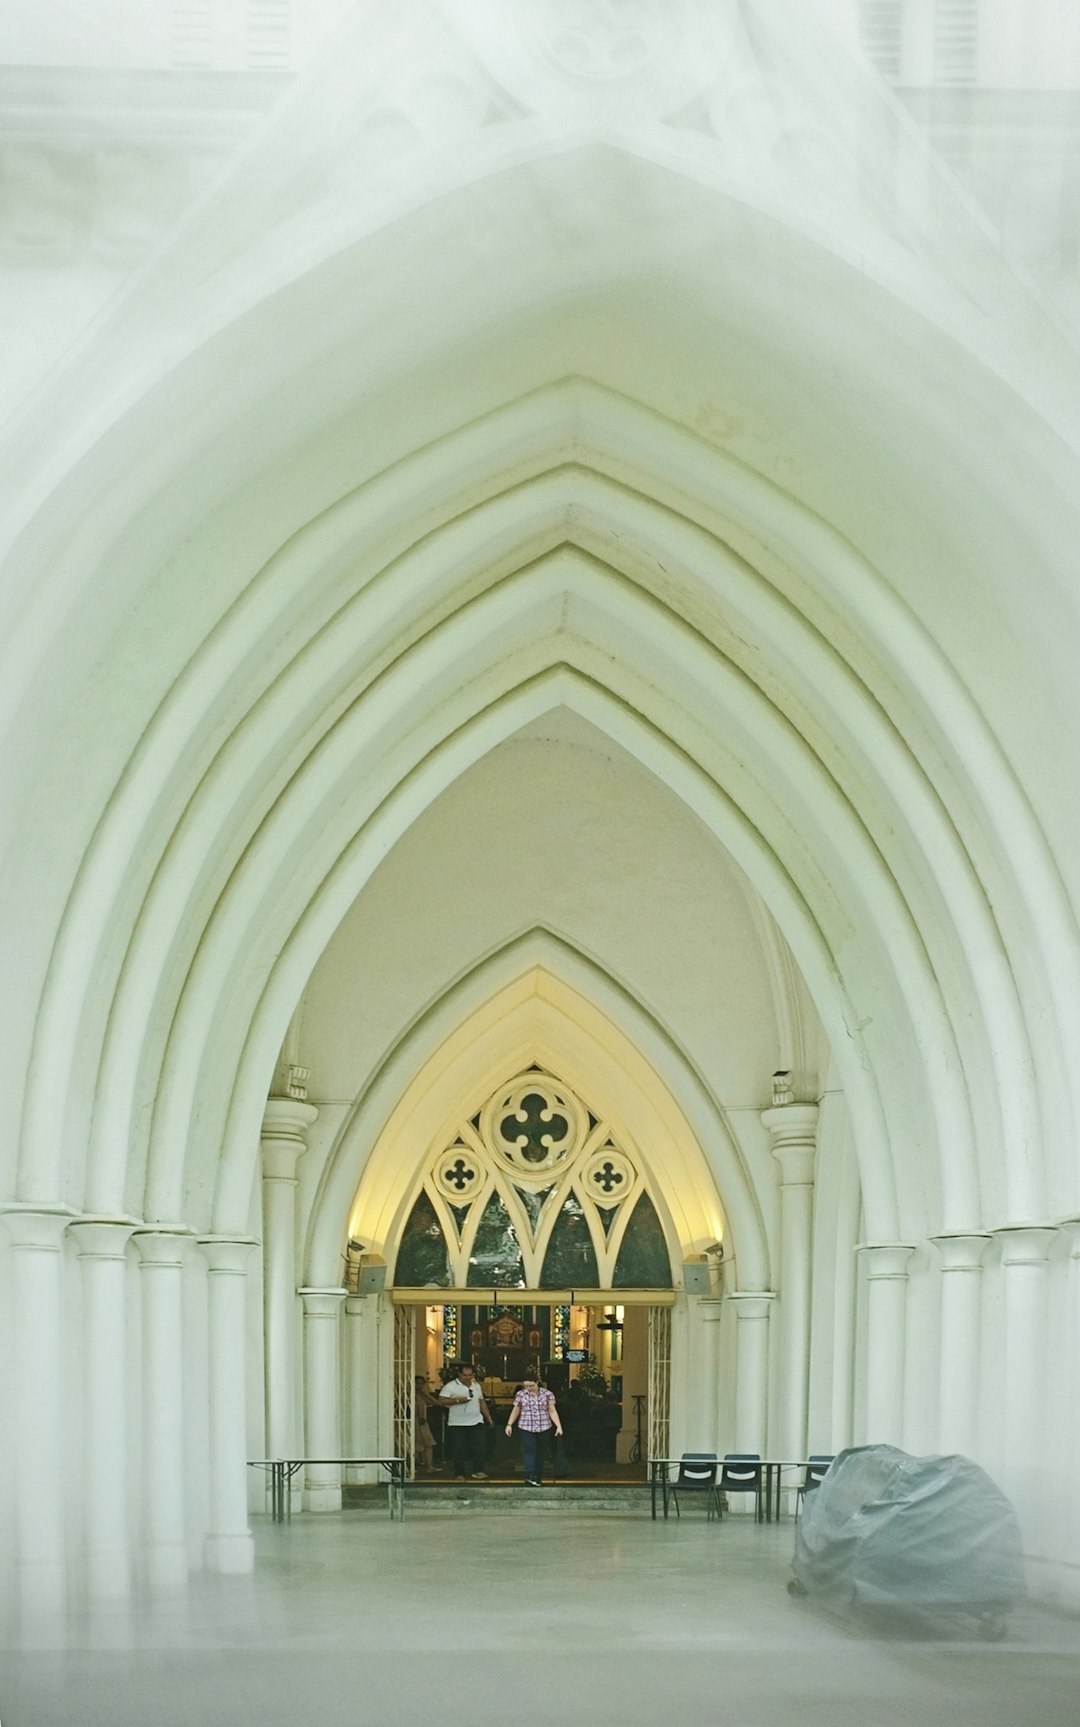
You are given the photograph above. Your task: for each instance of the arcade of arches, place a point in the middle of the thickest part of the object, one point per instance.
(540, 716)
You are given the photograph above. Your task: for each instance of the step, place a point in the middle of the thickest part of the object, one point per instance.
(450, 1497)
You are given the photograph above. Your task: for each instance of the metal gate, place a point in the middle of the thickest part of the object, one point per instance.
(404, 1370)
(659, 1381)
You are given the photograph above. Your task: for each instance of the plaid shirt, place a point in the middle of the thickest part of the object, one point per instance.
(534, 1410)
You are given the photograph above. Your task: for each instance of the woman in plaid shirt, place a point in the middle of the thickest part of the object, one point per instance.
(535, 1412)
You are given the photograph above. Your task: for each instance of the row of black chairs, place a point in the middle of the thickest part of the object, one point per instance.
(736, 1472)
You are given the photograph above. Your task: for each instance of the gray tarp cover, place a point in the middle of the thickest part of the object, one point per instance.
(888, 1529)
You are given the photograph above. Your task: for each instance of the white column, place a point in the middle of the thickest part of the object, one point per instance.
(362, 1382)
(284, 1129)
(886, 1329)
(752, 1309)
(1070, 1425)
(1024, 1250)
(105, 1465)
(230, 1548)
(322, 1397)
(34, 1407)
(961, 1326)
(161, 1254)
(1003, 31)
(792, 1130)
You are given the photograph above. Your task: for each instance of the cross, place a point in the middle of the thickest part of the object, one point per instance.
(608, 1177)
(459, 1174)
(542, 1128)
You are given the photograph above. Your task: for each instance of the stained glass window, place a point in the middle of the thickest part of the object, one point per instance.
(495, 1261)
(460, 1214)
(560, 1331)
(422, 1260)
(450, 1333)
(559, 1186)
(570, 1260)
(534, 1202)
(643, 1261)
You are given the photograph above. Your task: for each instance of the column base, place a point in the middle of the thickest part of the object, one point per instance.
(41, 1588)
(167, 1565)
(230, 1555)
(320, 1497)
(108, 1577)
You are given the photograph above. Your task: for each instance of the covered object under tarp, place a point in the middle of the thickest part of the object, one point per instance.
(886, 1529)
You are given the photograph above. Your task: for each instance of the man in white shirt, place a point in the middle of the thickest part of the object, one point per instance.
(465, 1423)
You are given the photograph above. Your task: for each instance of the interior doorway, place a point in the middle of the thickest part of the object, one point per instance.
(607, 1362)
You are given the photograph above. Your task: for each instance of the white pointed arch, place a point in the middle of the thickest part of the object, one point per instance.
(536, 1016)
(576, 514)
(590, 1024)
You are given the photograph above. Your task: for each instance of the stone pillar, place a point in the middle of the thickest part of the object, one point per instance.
(161, 1252)
(886, 1328)
(229, 1545)
(362, 1317)
(284, 1131)
(322, 1397)
(1024, 1249)
(1071, 1423)
(752, 1368)
(792, 1130)
(961, 1326)
(35, 1409)
(105, 1465)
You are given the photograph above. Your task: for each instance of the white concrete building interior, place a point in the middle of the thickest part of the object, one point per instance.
(540, 717)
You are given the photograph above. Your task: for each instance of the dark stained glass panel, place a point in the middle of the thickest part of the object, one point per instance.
(495, 1261)
(422, 1260)
(570, 1260)
(533, 1203)
(643, 1261)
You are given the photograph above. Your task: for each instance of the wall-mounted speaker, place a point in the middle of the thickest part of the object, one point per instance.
(697, 1277)
(372, 1279)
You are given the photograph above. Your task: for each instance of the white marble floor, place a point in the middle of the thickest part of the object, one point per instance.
(351, 1621)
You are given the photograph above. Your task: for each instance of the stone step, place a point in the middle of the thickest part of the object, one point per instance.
(505, 1497)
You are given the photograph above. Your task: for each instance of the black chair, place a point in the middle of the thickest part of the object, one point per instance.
(817, 1467)
(697, 1474)
(742, 1473)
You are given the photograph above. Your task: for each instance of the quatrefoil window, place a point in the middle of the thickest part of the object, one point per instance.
(458, 1174)
(535, 1128)
(535, 1125)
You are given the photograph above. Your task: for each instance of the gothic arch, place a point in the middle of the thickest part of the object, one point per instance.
(566, 507)
(538, 994)
(536, 1018)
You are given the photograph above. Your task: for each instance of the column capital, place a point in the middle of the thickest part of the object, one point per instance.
(961, 1250)
(162, 1246)
(886, 1259)
(284, 1136)
(791, 1119)
(103, 1237)
(752, 1303)
(1024, 1243)
(227, 1254)
(356, 1306)
(321, 1303)
(39, 1228)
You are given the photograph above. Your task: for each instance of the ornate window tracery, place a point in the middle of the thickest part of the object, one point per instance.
(533, 1192)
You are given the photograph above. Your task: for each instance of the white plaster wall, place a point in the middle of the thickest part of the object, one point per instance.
(567, 836)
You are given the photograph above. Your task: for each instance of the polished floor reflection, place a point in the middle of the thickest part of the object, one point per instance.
(531, 1618)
